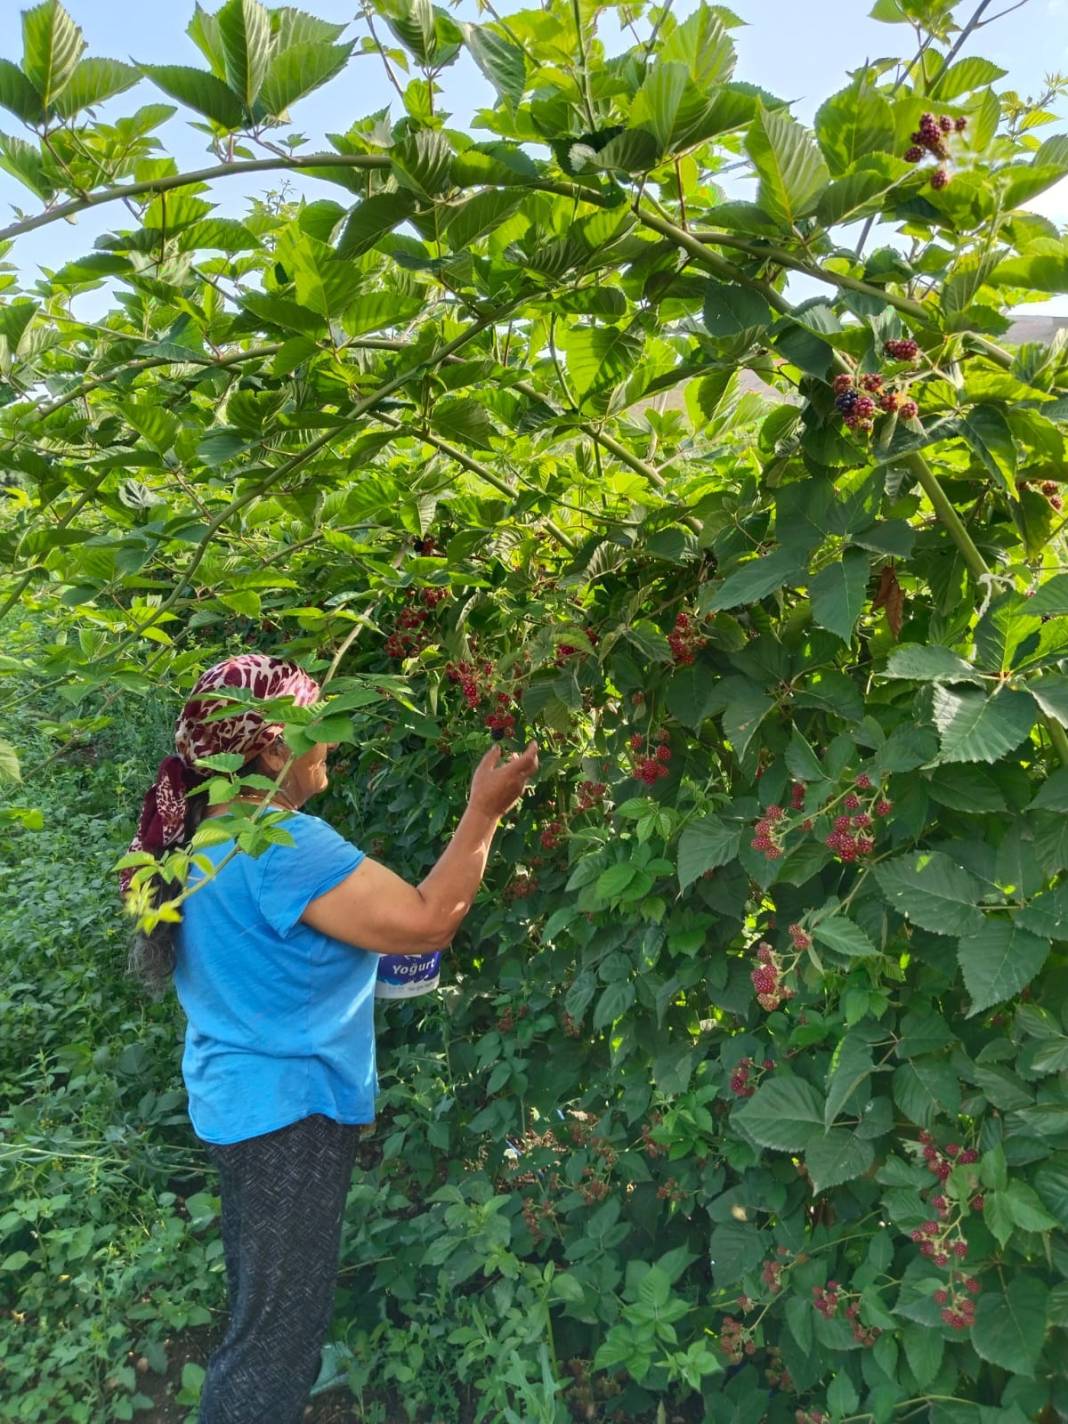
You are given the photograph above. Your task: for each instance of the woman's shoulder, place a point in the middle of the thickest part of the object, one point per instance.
(310, 833)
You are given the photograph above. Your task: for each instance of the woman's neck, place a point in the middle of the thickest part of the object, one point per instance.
(277, 799)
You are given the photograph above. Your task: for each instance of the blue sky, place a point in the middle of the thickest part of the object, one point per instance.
(800, 49)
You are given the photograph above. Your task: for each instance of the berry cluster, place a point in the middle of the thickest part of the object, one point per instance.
(535, 1213)
(650, 1146)
(958, 1307)
(858, 410)
(936, 1242)
(649, 769)
(670, 1190)
(767, 979)
(827, 1299)
(850, 835)
(903, 349)
(735, 1340)
(1049, 488)
(570, 1026)
(409, 636)
(809, 1416)
(771, 1274)
(553, 834)
(432, 596)
(425, 547)
(801, 939)
(742, 1085)
(776, 1373)
(473, 679)
(685, 641)
(591, 794)
(501, 724)
(941, 1162)
(521, 887)
(932, 137)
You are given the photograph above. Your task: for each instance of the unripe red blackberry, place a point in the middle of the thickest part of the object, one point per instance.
(945, 123)
(960, 124)
(903, 350)
(872, 382)
(889, 402)
(909, 410)
(914, 153)
(842, 382)
(1049, 487)
(939, 178)
(864, 408)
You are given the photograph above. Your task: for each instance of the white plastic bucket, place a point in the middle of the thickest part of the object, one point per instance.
(405, 976)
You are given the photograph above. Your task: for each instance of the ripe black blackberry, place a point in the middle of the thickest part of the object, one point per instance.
(847, 401)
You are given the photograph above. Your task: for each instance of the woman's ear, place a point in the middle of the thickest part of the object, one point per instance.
(273, 758)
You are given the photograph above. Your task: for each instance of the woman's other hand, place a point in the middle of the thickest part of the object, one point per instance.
(497, 785)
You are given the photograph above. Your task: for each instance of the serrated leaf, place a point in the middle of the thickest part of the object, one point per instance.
(926, 1087)
(844, 936)
(1010, 1326)
(852, 1064)
(198, 90)
(480, 215)
(731, 311)
(93, 81)
(615, 1000)
(924, 1349)
(928, 889)
(701, 43)
(754, 581)
(297, 71)
(18, 95)
(997, 961)
(372, 219)
(838, 1156)
(854, 194)
(1052, 795)
(785, 1113)
(987, 432)
(244, 30)
(9, 763)
(422, 163)
(704, 845)
(464, 419)
(789, 164)
(852, 124)
(1050, 597)
(669, 104)
(745, 710)
(598, 358)
(927, 662)
(52, 45)
(501, 61)
(964, 76)
(838, 593)
(1050, 691)
(975, 727)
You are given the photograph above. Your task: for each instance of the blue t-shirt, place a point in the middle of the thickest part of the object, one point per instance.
(281, 1017)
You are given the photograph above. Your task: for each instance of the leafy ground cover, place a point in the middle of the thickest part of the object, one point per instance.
(746, 1096)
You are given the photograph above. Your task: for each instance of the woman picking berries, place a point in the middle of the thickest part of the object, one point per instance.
(274, 964)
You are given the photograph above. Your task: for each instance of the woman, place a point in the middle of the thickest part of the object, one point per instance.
(274, 965)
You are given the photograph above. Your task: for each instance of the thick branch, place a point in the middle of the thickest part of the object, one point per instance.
(718, 266)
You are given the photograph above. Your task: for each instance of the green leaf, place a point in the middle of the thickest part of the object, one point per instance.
(704, 845)
(844, 936)
(785, 1113)
(1042, 268)
(975, 727)
(852, 124)
(927, 662)
(93, 81)
(18, 95)
(422, 163)
(412, 21)
(1050, 691)
(372, 219)
(839, 1156)
(997, 960)
(702, 45)
(1052, 795)
(501, 61)
(924, 1349)
(745, 710)
(852, 1064)
(1010, 1327)
(753, 581)
(731, 311)
(198, 90)
(244, 29)
(964, 76)
(928, 889)
(613, 1003)
(297, 71)
(9, 763)
(801, 760)
(670, 105)
(838, 593)
(52, 45)
(598, 358)
(374, 311)
(926, 1088)
(854, 195)
(480, 215)
(464, 419)
(1051, 597)
(789, 164)
(987, 432)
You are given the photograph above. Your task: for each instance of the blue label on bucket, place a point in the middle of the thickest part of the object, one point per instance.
(402, 976)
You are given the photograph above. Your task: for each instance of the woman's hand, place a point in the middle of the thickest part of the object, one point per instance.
(498, 785)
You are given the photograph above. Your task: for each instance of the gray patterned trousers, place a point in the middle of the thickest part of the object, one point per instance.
(283, 1196)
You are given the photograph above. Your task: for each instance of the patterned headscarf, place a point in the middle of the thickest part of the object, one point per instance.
(246, 733)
